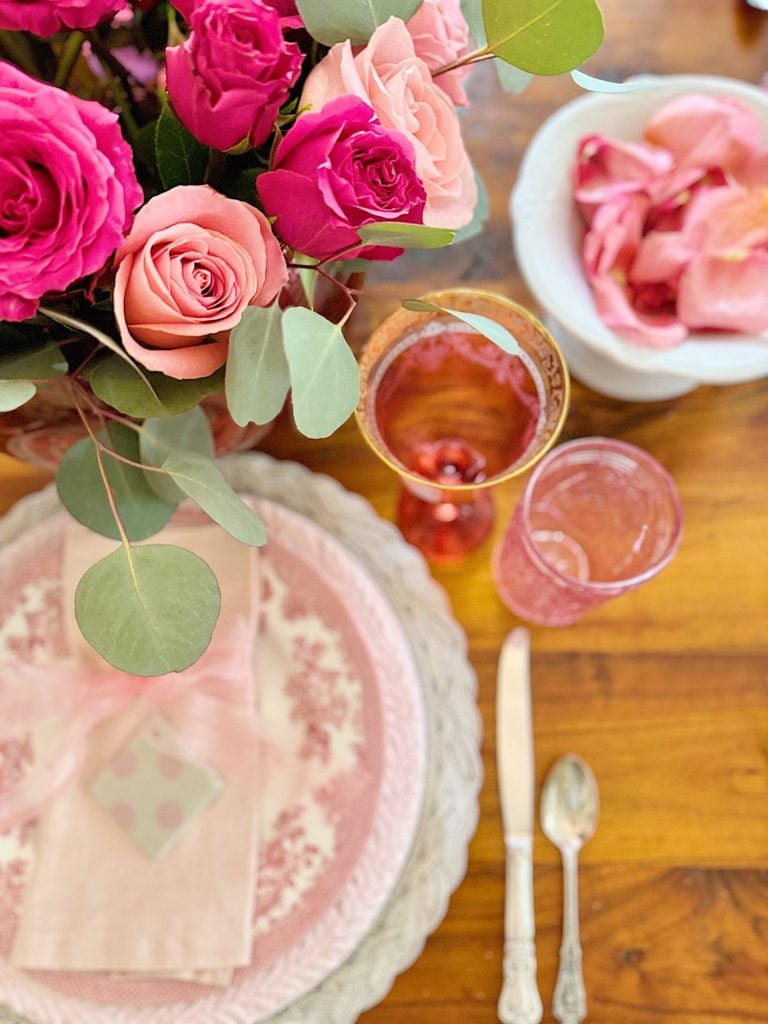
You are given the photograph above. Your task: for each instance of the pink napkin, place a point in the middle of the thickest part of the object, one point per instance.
(96, 899)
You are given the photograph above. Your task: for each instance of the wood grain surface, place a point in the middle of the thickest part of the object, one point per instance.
(665, 690)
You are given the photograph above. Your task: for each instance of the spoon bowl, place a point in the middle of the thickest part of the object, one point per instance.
(570, 802)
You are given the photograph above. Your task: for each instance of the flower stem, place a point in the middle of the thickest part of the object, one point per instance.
(16, 46)
(214, 171)
(68, 58)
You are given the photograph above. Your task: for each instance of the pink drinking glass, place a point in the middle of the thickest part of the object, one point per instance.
(597, 518)
(453, 414)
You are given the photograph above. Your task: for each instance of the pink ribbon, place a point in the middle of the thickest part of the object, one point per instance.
(79, 697)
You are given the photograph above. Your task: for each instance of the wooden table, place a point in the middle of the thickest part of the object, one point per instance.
(664, 691)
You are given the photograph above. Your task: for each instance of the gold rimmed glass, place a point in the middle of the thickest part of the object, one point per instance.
(453, 414)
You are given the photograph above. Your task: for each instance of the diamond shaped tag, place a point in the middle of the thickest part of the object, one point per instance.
(153, 789)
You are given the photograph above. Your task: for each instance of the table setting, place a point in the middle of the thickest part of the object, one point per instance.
(382, 511)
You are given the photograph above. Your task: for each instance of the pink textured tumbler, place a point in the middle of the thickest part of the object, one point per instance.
(597, 518)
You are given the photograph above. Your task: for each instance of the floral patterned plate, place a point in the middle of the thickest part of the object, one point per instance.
(373, 680)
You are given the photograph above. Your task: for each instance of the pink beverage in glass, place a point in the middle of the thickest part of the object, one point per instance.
(453, 414)
(597, 518)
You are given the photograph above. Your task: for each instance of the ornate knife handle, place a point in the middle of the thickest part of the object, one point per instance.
(519, 1002)
(569, 1003)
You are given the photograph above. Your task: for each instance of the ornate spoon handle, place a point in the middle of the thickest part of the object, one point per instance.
(569, 1004)
(519, 1002)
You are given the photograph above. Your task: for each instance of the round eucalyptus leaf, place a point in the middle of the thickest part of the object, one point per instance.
(159, 438)
(148, 610)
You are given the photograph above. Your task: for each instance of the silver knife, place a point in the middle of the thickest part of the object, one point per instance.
(519, 1002)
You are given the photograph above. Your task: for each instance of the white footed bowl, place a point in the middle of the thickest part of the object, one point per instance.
(547, 233)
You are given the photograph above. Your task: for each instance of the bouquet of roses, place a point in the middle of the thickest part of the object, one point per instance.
(172, 177)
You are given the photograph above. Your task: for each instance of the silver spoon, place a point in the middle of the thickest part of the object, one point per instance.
(569, 810)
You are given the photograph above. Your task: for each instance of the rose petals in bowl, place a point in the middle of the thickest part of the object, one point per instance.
(640, 207)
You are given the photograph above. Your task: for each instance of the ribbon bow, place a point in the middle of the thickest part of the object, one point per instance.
(79, 697)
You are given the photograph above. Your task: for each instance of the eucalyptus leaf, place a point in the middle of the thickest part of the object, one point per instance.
(45, 362)
(355, 20)
(405, 236)
(592, 84)
(200, 478)
(148, 610)
(82, 492)
(14, 393)
(160, 437)
(482, 324)
(479, 215)
(511, 79)
(544, 37)
(257, 378)
(325, 379)
(118, 385)
(181, 159)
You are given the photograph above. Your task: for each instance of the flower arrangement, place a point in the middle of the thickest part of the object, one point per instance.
(676, 230)
(171, 172)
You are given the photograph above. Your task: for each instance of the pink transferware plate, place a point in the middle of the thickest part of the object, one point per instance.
(340, 808)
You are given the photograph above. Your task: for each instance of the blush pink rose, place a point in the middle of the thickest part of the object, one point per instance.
(192, 263)
(44, 17)
(440, 36)
(228, 81)
(388, 76)
(336, 171)
(706, 131)
(67, 190)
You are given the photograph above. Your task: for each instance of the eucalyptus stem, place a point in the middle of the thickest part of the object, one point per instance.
(68, 58)
(469, 58)
(99, 450)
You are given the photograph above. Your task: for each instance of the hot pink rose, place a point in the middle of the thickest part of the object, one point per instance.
(67, 190)
(44, 17)
(285, 8)
(336, 171)
(228, 81)
(192, 263)
(440, 36)
(388, 76)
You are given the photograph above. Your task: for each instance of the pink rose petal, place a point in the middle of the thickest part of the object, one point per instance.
(706, 131)
(726, 292)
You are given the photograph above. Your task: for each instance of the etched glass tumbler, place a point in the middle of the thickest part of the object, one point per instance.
(453, 415)
(597, 518)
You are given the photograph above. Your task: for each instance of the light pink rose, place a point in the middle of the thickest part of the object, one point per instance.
(723, 287)
(192, 263)
(68, 190)
(440, 35)
(388, 76)
(44, 17)
(706, 131)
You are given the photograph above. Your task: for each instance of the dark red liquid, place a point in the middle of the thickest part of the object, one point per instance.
(454, 408)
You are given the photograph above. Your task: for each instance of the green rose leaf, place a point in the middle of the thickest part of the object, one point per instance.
(325, 379)
(544, 37)
(14, 393)
(482, 324)
(405, 236)
(81, 488)
(257, 378)
(45, 362)
(159, 438)
(181, 159)
(350, 19)
(118, 385)
(148, 610)
(200, 478)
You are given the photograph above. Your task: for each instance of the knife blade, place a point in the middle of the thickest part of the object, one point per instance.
(519, 1001)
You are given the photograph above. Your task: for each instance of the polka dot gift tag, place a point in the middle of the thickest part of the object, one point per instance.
(153, 789)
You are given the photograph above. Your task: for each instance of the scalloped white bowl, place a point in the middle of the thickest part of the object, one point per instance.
(547, 232)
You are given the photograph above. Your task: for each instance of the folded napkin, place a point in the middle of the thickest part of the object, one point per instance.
(106, 894)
